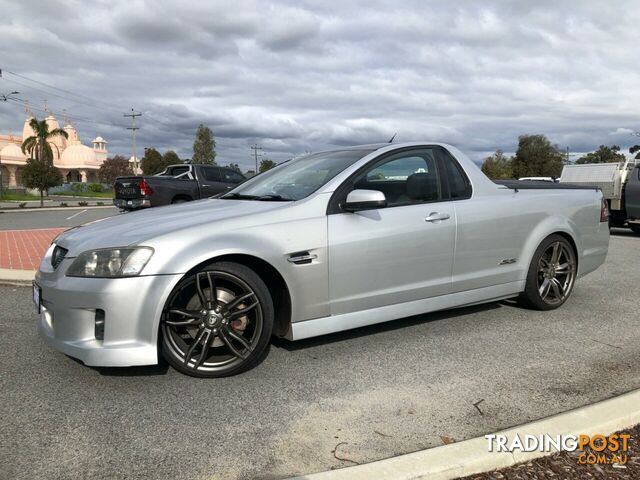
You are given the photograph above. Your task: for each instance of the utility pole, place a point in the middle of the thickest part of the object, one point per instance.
(255, 149)
(567, 156)
(133, 129)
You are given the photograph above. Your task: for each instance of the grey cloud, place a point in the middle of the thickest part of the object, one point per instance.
(302, 76)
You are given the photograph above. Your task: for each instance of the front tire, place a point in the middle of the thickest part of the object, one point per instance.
(635, 228)
(217, 322)
(552, 274)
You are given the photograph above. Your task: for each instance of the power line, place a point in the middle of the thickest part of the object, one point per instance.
(93, 100)
(25, 103)
(53, 94)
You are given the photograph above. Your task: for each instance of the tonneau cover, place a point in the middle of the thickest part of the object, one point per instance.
(533, 185)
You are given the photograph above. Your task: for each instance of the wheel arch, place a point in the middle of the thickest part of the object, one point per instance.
(552, 226)
(273, 279)
(182, 196)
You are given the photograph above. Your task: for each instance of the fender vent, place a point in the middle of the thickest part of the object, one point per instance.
(301, 258)
(57, 256)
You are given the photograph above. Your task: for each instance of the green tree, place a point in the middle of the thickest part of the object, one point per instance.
(266, 164)
(497, 166)
(153, 162)
(112, 168)
(37, 146)
(603, 154)
(536, 157)
(171, 158)
(235, 167)
(204, 147)
(635, 149)
(42, 175)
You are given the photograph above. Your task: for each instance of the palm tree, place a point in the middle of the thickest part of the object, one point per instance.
(38, 145)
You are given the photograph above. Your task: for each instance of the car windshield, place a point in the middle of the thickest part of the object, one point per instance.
(296, 179)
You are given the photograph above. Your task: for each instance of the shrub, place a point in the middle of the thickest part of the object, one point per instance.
(64, 204)
(100, 204)
(83, 204)
(79, 187)
(22, 204)
(95, 187)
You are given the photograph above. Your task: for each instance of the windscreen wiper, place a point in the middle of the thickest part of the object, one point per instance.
(239, 196)
(273, 198)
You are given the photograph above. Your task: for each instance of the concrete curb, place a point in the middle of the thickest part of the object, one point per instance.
(9, 276)
(49, 209)
(472, 456)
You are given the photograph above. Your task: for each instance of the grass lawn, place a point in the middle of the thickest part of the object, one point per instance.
(18, 196)
(24, 197)
(84, 194)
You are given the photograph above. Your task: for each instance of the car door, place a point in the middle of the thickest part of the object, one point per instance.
(231, 178)
(210, 180)
(632, 194)
(399, 253)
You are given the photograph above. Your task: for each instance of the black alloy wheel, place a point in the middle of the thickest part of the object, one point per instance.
(217, 322)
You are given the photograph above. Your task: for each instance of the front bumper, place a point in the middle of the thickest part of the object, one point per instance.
(132, 309)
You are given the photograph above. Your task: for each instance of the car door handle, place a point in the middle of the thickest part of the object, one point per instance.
(435, 217)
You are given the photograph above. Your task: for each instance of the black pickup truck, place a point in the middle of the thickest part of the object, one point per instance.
(176, 184)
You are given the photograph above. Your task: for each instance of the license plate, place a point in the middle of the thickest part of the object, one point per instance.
(126, 191)
(36, 297)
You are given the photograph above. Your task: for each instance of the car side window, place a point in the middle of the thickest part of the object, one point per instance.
(229, 176)
(405, 178)
(459, 185)
(211, 174)
(175, 171)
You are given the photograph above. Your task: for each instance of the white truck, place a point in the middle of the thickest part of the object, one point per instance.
(620, 184)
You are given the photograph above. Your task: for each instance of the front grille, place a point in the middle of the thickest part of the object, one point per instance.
(58, 255)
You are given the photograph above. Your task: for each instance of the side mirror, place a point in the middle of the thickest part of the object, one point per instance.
(361, 199)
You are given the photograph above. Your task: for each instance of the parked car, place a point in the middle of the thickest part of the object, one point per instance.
(323, 243)
(176, 184)
(620, 185)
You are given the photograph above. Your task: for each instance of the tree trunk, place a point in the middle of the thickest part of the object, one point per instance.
(41, 198)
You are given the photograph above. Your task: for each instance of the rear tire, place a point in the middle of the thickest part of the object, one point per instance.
(635, 228)
(179, 200)
(551, 275)
(217, 334)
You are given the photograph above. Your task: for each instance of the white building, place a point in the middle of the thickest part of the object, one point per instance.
(76, 162)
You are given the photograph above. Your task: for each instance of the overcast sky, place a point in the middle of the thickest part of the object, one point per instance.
(302, 76)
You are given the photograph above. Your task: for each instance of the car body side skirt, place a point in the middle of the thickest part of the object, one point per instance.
(347, 321)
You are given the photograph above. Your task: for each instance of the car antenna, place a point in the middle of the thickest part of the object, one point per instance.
(391, 139)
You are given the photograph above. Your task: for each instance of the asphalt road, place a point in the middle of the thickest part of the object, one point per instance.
(53, 218)
(360, 396)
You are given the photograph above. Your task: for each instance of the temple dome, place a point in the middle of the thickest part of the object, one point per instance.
(12, 150)
(73, 138)
(52, 122)
(77, 156)
(27, 131)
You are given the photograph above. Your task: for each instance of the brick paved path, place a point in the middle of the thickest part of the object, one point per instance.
(23, 249)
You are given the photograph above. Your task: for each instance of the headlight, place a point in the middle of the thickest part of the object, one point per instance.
(110, 262)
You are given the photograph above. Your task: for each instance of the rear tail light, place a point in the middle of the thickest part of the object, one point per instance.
(604, 212)
(145, 188)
